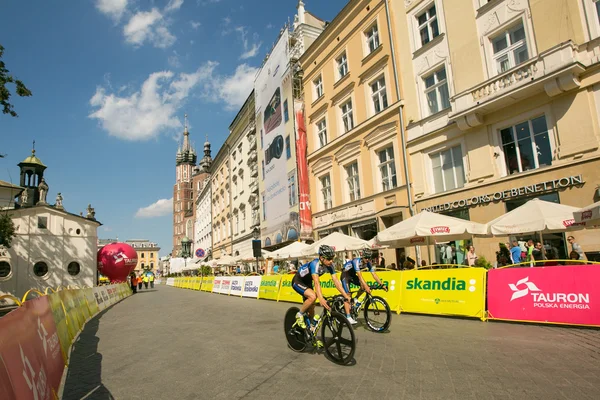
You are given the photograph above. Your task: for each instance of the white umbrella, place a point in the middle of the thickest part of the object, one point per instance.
(248, 255)
(226, 261)
(292, 250)
(590, 214)
(536, 216)
(339, 242)
(417, 230)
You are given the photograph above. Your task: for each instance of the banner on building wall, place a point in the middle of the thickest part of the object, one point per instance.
(303, 187)
(270, 104)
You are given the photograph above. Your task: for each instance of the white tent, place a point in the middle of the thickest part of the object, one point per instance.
(536, 216)
(248, 255)
(590, 214)
(338, 241)
(292, 250)
(417, 230)
(226, 261)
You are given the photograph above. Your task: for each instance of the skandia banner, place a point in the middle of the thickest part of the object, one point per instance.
(564, 295)
(444, 291)
(269, 287)
(251, 286)
(270, 103)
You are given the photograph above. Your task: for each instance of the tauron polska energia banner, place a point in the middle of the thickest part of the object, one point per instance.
(269, 103)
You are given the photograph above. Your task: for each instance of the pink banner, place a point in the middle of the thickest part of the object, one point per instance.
(566, 295)
(303, 189)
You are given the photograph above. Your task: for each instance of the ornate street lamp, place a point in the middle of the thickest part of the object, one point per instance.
(185, 250)
(256, 236)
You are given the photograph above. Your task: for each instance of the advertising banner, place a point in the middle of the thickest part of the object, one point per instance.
(74, 319)
(251, 286)
(207, 283)
(217, 284)
(563, 295)
(101, 297)
(237, 285)
(61, 323)
(286, 292)
(303, 187)
(32, 363)
(392, 280)
(270, 104)
(170, 281)
(91, 301)
(197, 283)
(458, 291)
(269, 287)
(225, 285)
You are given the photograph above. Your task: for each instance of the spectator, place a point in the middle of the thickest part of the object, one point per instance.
(538, 253)
(576, 247)
(471, 256)
(551, 256)
(515, 252)
(381, 261)
(151, 278)
(573, 255)
(530, 247)
(502, 256)
(423, 263)
(133, 282)
(276, 269)
(393, 266)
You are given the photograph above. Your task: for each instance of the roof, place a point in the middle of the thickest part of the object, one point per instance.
(48, 206)
(10, 185)
(32, 159)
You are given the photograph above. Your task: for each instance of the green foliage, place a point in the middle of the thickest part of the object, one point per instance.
(6, 78)
(7, 230)
(482, 262)
(205, 270)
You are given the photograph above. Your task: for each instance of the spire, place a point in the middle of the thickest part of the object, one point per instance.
(301, 11)
(186, 135)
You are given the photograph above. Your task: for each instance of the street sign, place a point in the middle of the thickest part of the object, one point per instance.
(200, 253)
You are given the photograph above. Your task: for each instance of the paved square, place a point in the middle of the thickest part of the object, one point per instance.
(180, 344)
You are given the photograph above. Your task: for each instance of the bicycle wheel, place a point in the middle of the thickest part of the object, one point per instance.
(293, 334)
(378, 315)
(338, 338)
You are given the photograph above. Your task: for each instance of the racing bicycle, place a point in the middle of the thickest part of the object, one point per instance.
(337, 335)
(377, 313)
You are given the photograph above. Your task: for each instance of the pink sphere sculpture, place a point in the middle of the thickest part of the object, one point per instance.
(116, 261)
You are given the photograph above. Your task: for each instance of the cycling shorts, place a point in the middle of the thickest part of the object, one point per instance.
(347, 279)
(300, 288)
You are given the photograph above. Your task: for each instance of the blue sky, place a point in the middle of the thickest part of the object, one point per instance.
(111, 81)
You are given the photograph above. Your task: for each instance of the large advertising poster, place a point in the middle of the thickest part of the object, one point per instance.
(303, 190)
(269, 103)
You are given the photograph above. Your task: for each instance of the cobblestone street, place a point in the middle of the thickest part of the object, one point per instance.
(172, 343)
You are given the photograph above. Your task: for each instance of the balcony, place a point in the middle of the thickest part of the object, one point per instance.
(252, 156)
(253, 186)
(254, 171)
(554, 71)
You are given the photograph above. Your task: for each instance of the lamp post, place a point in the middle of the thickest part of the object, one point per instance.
(256, 236)
(185, 250)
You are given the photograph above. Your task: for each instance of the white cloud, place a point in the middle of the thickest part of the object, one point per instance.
(195, 24)
(269, 26)
(173, 5)
(153, 109)
(112, 8)
(148, 26)
(161, 208)
(173, 60)
(249, 50)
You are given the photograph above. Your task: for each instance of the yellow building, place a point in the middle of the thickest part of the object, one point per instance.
(357, 167)
(501, 105)
(147, 253)
(221, 202)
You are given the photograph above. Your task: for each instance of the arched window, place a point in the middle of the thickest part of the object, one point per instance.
(278, 238)
(292, 234)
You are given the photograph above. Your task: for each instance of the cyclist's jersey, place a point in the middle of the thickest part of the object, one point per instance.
(305, 272)
(352, 267)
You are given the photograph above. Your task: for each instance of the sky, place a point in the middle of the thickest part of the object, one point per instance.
(111, 82)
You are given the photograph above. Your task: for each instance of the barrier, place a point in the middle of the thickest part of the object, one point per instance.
(444, 292)
(269, 287)
(392, 280)
(170, 281)
(237, 286)
(225, 285)
(197, 283)
(216, 288)
(561, 295)
(251, 286)
(286, 292)
(207, 283)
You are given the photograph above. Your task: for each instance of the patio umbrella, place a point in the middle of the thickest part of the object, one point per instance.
(292, 250)
(339, 242)
(590, 214)
(248, 255)
(536, 216)
(226, 261)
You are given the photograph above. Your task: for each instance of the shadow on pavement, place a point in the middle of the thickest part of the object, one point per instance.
(84, 378)
(146, 291)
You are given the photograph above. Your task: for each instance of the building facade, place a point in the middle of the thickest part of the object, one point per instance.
(221, 202)
(203, 224)
(183, 193)
(278, 96)
(501, 103)
(147, 255)
(357, 169)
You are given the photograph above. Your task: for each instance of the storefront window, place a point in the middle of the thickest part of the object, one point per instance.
(453, 252)
(365, 231)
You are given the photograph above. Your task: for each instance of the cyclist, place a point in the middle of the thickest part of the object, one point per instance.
(351, 273)
(306, 283)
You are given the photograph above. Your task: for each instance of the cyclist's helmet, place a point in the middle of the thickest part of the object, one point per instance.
(326, 251)
(367, 253)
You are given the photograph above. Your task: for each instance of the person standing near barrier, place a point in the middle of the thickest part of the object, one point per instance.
(306, 283)
(145, 279)
(133, 282)
(139, 282)
(151, 278)
(471, 256)
(576, 247)
(515, 252)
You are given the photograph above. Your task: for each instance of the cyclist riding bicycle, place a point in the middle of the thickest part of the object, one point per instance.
(351, 273)
(306, 283)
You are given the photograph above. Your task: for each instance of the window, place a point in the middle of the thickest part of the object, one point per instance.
(142, 255)
(286, 114)
(234, 188)
(241, 183)
(264, 206)
(347, 118)
(326, 191)
(5, 269)
(448, 171)
(387, 168)
(510, 48)
(233, 155)
(40, 269)
(262, 162)
(73, 268)
(261, 139)
(372, 38)
(526, 145)
(436, 91)
(293, 197)
(379, 95)
(342, 66)
(318, 85)
(243, 220)
(43, 222)
(237, 224)
(151, 255)
(322, 132)
(288, 150)
(428, 25)
(353, 181)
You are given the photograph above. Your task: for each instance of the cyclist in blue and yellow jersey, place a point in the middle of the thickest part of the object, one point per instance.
(351, 273)
(306, 283)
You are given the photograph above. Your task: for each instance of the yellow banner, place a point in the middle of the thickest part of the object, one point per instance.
(392, 280)
(269, 287)
(61, 321)
(197, 283)
(207, 283)
(458, 291)
(91, 301)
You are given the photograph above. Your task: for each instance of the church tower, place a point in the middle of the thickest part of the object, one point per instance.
(183, 192)
(32, 174)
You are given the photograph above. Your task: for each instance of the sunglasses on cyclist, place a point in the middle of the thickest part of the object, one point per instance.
(328, 258)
